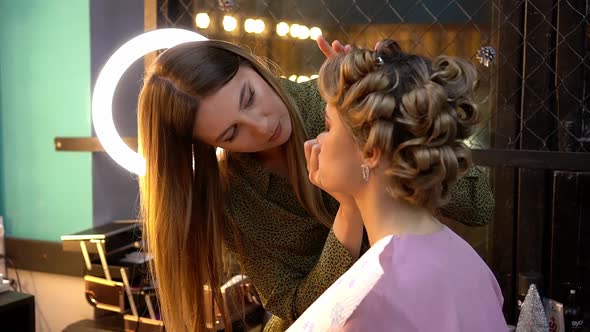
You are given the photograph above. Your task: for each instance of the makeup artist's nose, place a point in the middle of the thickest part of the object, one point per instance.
(259, 125)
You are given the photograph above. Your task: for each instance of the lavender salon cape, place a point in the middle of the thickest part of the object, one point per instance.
(433, 282)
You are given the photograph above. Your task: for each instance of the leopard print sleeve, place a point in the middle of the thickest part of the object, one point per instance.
(472, 202)
(288, 300)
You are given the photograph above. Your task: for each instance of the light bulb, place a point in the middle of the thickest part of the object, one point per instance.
(202, 20)
(294, 30)
(250, 25)
(315, 33)
(302, 78)
(303, 32)
(259, 26)
(282, 29)
(229, 23)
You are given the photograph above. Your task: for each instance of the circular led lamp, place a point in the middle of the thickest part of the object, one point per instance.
(111, 73)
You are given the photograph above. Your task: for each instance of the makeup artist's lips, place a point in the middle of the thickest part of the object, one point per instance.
(277, 133)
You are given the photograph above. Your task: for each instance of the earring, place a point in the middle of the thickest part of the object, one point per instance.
(365, 170)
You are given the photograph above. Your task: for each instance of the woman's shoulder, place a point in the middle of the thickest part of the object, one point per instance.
(431, 272)
(412, 260)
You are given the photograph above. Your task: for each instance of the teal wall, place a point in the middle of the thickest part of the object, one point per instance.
(44, 93)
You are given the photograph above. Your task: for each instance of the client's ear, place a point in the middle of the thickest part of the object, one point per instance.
(372, 158)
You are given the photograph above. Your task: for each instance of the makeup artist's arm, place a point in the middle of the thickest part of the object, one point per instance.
(291, 293)
(348, 224)
(347, 227)
(472, 202)
(285, 291)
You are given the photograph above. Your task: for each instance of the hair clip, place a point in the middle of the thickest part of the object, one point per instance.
(227, 5)
(379, 61)
(485, 55)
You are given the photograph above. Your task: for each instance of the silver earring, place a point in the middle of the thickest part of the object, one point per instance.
(379, 61)
(365, 170)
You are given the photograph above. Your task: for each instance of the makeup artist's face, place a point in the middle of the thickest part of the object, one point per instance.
(339, 158)
(245, 115)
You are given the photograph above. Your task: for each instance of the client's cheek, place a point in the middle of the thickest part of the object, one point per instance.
(324, 157)
(327, 167)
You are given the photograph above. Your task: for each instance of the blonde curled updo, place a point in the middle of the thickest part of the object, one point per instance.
(415, 111)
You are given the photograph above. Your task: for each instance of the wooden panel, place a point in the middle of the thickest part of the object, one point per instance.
(584, 238)
(571, 53)
(547, 160)
(508, 43)
(87, 144)
(536, 125)
(570, 252)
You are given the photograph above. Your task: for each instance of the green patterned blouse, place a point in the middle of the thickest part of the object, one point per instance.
(290, 257)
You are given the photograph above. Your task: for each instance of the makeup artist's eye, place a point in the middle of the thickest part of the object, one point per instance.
(250, 97)
(233, 134)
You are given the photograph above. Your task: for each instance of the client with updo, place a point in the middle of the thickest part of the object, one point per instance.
(393, 145)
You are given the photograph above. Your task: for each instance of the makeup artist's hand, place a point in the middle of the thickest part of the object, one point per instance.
(348, 224)
(336, 47)
(332, 50)
(312, 151)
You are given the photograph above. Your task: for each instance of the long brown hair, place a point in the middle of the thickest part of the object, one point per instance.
(416, 112)
(182, 209)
